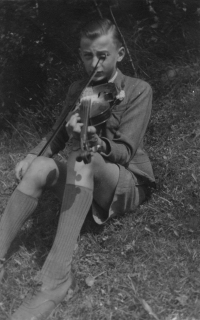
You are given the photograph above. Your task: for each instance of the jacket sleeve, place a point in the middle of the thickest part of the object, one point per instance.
(133, 124)
(60, 139)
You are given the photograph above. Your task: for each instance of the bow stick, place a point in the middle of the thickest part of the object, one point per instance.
(102, 57)
(123, 40)
(121, 35)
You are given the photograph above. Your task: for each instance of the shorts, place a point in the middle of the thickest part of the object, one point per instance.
(129, 194)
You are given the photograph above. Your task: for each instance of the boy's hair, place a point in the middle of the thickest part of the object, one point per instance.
(100, 27)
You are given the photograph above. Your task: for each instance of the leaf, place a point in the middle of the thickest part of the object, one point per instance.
(194, 177)
(182, 299)
(154, 26)
(90, 281)
(147, 229)
(148, 309)
(176, 233)
(171, 73)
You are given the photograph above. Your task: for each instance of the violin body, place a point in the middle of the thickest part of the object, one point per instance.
(102, 96)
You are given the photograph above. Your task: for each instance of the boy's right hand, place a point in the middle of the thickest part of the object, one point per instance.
(23, 166)
(73, 126)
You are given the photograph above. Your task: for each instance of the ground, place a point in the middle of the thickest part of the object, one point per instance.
(143, 265)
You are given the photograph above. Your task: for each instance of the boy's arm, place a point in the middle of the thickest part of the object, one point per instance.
(122, 147)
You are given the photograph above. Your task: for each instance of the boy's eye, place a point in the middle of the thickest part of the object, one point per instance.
(103, 55)
(87, 55)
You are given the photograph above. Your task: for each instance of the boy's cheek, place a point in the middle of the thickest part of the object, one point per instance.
(87, 66)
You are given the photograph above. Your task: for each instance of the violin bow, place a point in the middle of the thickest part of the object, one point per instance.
(98, 9)
(72, 107)
(91, 77)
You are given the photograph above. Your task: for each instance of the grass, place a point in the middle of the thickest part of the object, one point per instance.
(146, 264)
(150, 258)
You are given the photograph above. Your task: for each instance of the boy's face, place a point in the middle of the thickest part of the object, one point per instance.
(92, 50)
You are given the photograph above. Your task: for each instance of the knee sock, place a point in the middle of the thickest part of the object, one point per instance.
(75, 206)
(20, 206)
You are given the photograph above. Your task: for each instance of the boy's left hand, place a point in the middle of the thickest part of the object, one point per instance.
(74, 127)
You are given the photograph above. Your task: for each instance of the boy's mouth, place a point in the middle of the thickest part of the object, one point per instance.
(99, 74)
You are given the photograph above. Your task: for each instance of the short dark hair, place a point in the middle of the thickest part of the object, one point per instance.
(100, 27)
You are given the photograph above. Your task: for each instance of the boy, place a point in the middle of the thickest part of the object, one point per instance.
(114, 182)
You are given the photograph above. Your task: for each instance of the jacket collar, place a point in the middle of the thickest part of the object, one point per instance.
(120, 79)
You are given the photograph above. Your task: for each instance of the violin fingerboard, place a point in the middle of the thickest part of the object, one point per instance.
(85, 109)
(84, 114)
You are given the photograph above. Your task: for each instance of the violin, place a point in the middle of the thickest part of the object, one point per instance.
(95, 108)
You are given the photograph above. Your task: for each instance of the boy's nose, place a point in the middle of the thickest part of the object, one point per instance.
(94, 61)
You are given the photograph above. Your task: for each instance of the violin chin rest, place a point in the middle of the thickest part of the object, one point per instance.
(108, 87)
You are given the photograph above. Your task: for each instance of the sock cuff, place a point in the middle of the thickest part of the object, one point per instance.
(77, 186)
(19, 193)
(74, 194)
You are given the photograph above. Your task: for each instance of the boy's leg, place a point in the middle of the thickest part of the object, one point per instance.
(106, 176)
(77, 199)
(98, 177)
(42, 173)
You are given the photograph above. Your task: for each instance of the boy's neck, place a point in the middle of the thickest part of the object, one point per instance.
(114, 77)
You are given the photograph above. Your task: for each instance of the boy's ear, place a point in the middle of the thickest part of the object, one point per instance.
(121, 54)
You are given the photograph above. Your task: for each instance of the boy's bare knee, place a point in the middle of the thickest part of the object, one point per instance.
(42, 171)
(97, 162)
(92, 167)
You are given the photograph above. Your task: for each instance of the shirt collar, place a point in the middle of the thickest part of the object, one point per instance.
(114, 77)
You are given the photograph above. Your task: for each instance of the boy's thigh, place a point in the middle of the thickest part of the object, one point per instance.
(106, 176)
